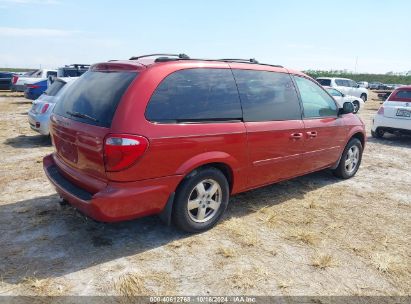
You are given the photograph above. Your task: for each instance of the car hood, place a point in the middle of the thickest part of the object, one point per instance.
(351, 98)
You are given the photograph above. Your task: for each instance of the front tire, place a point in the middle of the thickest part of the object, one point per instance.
(356, 105)
(350, 160)
(201, 200)
(364, 97)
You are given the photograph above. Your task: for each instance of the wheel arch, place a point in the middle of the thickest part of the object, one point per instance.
(356, 134)
(360, 136)
(225, 168)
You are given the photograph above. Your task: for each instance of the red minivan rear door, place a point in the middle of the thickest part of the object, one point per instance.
(81, 120)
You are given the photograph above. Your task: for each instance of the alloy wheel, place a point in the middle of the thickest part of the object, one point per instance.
(352, 159)
(204, 201)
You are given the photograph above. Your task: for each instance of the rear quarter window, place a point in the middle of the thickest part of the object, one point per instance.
(324, 82)
(192, 95)
(95, 95)
(342, 83)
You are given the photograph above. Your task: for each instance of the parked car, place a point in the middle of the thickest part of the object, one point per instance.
(176, 136)
(363, 84)
(34, 90)
(18, 82)
(398, 85)
(341, 98)
(344, 85)
(378, 86)
(5, 80)
(39, 114)
(72, 70)
(394, 115)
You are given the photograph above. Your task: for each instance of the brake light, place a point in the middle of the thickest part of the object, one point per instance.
(381, 111)
(33, 86)
(121, 151)
(14, 79)
(45, 108)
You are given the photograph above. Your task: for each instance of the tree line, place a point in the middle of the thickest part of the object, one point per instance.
(395, 79)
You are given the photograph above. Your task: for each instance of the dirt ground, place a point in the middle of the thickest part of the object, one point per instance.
(314, 235)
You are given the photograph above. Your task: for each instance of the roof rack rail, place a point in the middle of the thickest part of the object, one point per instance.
(179, 56)
(76, 64)
(251, 60)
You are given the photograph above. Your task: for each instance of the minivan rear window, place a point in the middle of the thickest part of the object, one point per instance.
(325, 82)
(94, 97)
(192, 95)
(55, 88)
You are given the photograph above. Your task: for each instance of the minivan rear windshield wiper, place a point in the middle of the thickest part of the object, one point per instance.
(81, 115)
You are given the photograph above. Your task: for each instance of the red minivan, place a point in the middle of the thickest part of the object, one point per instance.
(175, 136)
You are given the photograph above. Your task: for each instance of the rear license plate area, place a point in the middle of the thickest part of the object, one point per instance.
(403, 113)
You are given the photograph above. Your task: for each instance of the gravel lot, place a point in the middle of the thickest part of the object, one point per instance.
(314, 235)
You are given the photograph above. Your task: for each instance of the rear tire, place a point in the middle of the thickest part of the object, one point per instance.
(378, 133)
(201, 200)
(350, 160)
(364, 97)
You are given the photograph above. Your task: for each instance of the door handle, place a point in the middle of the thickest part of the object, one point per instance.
(296, 136)
(312, 134)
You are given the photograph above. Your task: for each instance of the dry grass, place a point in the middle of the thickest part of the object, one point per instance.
(44, 287)
(243, 232)
(134, 284)
(322, 261)
(302, 235)
(284, 284)
(270, 217)
(130, 285)
(246, 279)
(387, 263)
(226, 252)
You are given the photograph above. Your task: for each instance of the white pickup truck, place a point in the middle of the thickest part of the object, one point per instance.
(18, 82)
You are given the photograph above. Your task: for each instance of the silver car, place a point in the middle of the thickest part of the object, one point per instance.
(39, 114)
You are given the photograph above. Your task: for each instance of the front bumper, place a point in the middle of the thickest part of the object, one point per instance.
(117, 201)
(39, 122)
(381, 121)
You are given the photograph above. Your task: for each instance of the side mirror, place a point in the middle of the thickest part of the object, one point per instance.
(357, 86)
(347, 108)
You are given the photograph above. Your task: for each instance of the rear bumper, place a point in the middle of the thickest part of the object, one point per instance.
(381, 121)
(42, 119)
(117, 201)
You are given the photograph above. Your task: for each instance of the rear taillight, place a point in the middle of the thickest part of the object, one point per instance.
(381, 111)
(14, 79)
(121, 150)
(45, 108)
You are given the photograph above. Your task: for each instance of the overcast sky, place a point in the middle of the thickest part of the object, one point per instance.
(297, 34)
